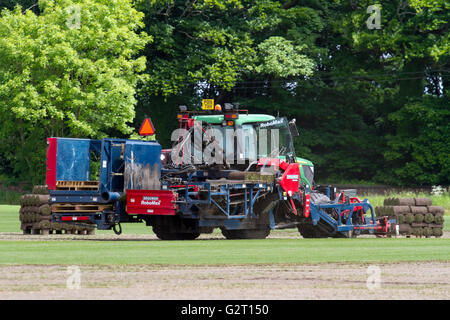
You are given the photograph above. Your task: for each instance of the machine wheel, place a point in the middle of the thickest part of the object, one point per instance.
(246, 233)
(309, 231)
(187, 236)
(319, 197)
(165, 235)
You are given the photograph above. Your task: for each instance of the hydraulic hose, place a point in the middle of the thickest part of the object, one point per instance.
(118, 232)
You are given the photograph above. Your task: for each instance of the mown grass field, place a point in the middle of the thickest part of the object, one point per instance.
(213, 251)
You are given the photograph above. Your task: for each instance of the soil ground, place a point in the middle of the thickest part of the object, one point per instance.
(284, 234)
(413, 280)
(400, 280)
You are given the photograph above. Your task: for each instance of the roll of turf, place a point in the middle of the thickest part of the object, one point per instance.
(26, 200)
(439, 219)
(45, 210)
(40, 190)
(44, 224)
(422, 201)
(399, 202)
(437, 232)
(37, 189)
(393, 210)
(55, 226)
(419, 218)
(31, 200)
(427, 231)
(41, 199)
(415, 209)
(400, 218)
(419, 231)
(435, 209)
(34, 200)
(405, 228)
(429, 218)
(32, 209)
(409, 218)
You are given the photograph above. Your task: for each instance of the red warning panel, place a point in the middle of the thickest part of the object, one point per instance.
(147, 128)
(50, 179)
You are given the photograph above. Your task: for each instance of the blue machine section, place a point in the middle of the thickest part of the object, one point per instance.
(123, 164)
(111, 165)
(73, 160)
(142, 160)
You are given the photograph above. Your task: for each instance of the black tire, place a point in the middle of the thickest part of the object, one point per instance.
(165, 235)
(309, 231)
(245, 233)
(318, 197)
(187, 236)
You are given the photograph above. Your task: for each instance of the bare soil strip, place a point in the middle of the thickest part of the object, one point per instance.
(17, 236)
(412, 280)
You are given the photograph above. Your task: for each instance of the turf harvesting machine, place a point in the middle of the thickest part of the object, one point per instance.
(226, 169)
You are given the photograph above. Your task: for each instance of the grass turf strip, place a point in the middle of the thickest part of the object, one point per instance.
(213, 251)
(217, 252)
(9, 222)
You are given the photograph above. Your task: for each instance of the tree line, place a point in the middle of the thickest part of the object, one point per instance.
(366, 81)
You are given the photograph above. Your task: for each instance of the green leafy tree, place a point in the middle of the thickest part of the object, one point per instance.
(317, 61)
(412, 50)
(71, 71)
(419, 151)
(207, 48)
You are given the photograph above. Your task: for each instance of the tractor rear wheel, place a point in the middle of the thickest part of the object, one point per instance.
(246, 233)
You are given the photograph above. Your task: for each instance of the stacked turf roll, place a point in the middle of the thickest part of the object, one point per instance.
(36, 216)
(35, 212)
(414, 216)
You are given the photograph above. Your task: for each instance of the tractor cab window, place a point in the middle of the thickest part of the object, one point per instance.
(279, 141)
(238, 144)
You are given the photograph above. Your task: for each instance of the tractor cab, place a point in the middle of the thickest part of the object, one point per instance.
(233, 138)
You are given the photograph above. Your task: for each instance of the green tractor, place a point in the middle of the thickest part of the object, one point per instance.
(242, 142)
